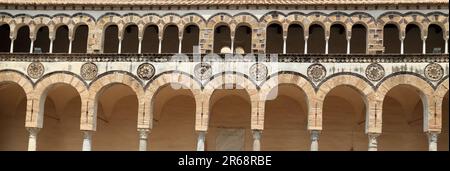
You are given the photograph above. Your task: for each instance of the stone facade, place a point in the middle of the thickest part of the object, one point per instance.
(372, 74)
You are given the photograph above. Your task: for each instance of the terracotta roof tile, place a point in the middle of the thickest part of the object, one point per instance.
(217, 2)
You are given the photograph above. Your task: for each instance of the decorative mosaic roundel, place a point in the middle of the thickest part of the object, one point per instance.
(145, 71)
(89, 71)
(316, 72)
(434, 72)
(203, 71)
(35, 70)
(374, 72)
(258, 71)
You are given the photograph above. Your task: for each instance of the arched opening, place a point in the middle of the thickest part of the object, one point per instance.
(222, 38)
(111, 39)
(170, 40)
(42, 42)
(403, 121)
(391, 38)
(5, 41)
(285, 120)
(173, 120)
(243, 39)
(61, 128)
(13, 135)
(274, 38)
(79, 44)
(150, 41)
(229, 124)
(316, 39)
(338, 39)
(413, 40)
(295, 42)
(344, 113)
(23, 41)
(358, 41)
(443, 137)
(130, 42)
(435, 42)
(190, 39)
(61, 42)
(117, 108)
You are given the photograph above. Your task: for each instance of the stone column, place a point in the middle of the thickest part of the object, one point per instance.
(32, 139)
(424, 46)
(143, 138)
(87, 141)
(31, 45)
(201, 141)
(348, 45)
(70, 45)
(140, 45)
(432, 141)
(120, 46)
(373, 144)
(232, 45)
(284, 44)
(257, 140)
(11, 48)
(326, 45)
(315, 140)
(402, 50)
(306, 45)
(179, 44)
(51, 45)
(159, 44)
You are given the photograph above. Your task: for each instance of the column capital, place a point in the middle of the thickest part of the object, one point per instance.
(143, 133)
(33, 131)
(257, 134)
(315, 135)
(87, 134)
(201, 140)
(373, 144)
(200, 133)
(424, 38)
(432, 136)
(432, 140)
(373, 134)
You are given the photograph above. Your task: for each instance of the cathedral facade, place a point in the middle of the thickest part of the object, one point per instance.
(226, 75)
